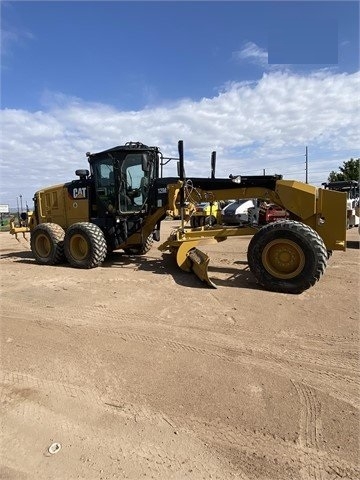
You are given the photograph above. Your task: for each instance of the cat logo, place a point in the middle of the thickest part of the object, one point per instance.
(79, 192)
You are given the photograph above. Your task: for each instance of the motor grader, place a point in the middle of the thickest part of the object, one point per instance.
(121, 202)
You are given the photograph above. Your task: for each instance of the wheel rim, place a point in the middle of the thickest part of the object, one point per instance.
(79, 247)
(283, 258)
(43, 245)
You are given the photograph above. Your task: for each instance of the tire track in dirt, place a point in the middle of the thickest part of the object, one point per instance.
(281, 453)
(276, 450)
(264, 359)
(310, 428)
(340, 345)
(162, 463)
(341, 386)
(293, 351)
(311, 470)
(25, 402)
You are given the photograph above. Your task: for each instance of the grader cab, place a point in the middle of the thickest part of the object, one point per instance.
(121, 202)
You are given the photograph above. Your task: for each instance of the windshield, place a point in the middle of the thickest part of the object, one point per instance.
(104, 173)
(134, 183)
(121, 184)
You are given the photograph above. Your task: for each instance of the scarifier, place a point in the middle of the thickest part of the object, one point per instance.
(122, 201)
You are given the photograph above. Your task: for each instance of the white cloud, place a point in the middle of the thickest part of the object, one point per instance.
(13, 37)
(252, 53)
(252, 126)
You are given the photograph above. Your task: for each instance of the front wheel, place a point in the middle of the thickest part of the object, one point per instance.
(85, 245)
(287, 256)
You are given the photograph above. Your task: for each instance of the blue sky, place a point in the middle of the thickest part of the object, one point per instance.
(257, 81)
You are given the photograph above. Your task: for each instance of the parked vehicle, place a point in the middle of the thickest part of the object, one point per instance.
(270, 212)
(351, 188)
(236, 213)
(206, 213)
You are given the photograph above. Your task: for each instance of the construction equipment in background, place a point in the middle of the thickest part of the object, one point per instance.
(351, 188)
(238, 212)
(270, 212)
(206, 213)
(121, 202)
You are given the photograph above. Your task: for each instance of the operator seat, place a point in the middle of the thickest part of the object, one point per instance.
(144, 187)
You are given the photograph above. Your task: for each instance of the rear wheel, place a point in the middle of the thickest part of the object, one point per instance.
(85, 245)
(141, 249)
(287, 256)
(194, 222)
(47, 243)
(210, 220)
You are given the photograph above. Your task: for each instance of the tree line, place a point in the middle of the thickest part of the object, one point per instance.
(348, 171)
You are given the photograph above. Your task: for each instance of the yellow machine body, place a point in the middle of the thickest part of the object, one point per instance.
(322, 210)
(85, 209)
(57, 206)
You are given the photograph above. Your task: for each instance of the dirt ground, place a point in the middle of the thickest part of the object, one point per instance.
(138, 370)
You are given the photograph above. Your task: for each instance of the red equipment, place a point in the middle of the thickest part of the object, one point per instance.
(270, 212)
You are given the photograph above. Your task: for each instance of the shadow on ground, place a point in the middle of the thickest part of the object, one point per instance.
(24, 256)
(238, 276)
(355, 244)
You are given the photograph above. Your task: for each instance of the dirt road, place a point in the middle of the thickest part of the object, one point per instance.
(137, 370)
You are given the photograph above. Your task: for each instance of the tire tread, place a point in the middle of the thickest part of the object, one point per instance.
(97, 244)
(298, 230)
(56, 235)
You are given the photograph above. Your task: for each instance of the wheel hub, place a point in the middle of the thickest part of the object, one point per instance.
(79, 247)
(43, 246)
(283, 258)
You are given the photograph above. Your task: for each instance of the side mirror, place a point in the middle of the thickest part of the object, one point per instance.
(82, 174)
(145, 163)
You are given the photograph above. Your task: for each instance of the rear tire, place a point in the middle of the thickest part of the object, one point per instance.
(47, 243)
(210, 220)
(85, 245)
(287, 256)
(193, 222)
(141, 249)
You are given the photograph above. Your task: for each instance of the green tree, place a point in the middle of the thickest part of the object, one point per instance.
(349, 171)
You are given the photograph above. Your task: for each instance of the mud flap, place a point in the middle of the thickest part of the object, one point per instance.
(191, 259)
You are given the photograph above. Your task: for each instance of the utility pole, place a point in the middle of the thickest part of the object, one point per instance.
(264, 171)
(306, 165)
(17, 202)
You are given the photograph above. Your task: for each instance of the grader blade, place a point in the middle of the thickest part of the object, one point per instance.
(199, 265)
(191, 259)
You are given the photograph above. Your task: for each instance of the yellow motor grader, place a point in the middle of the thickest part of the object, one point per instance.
(121, 202)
